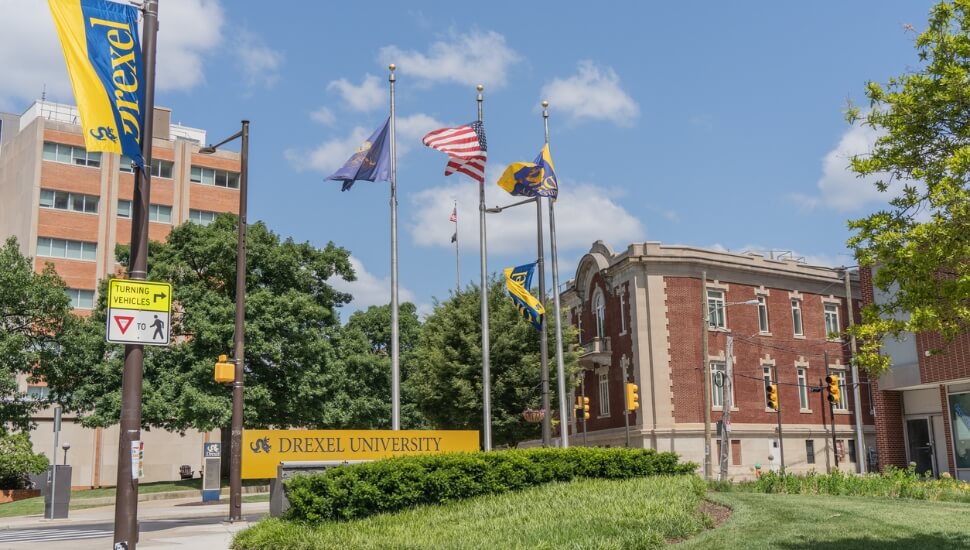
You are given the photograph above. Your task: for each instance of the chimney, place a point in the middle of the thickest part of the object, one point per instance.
(162, 122)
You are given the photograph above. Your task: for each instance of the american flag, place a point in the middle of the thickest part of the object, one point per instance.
(454, 215)
(465, 147)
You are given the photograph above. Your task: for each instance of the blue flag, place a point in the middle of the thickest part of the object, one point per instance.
(529, 179)
(371, 162)
(517, 282)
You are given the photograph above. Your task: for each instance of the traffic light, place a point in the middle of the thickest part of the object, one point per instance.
(632, 397)
(582, 408)
(835, 394)
(771, 393)
(225, 370)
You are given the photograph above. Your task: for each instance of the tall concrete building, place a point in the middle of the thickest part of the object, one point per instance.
(640, 315)
(70, 207)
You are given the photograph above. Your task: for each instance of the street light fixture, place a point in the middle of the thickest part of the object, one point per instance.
(235, 453)
(65, 446)
(543, 339)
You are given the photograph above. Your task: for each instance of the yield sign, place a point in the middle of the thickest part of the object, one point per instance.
(123, 322)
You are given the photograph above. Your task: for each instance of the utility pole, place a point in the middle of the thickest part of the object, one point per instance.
(126, 500)
(781, 439)
(835, 441)
(728, 403)
(707, 379)
(860, 463)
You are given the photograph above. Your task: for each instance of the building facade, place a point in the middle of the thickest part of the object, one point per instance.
(641, 318)
(923, 402)
(70, 207)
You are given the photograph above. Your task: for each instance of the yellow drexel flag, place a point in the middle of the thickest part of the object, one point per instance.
(529, 179)
(517, 282)
(103, 55)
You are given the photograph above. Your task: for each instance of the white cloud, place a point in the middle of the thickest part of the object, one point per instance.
(839, 187)
(331, 154)
(260, 63)
(323, 115)
(468, 58)
(369, 289)
(584, 213)
(188, 29)
(32, 59)
(369, 95)
(594, 94)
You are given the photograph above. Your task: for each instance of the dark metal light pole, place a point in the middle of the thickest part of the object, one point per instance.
(235, 453)
(126, 499)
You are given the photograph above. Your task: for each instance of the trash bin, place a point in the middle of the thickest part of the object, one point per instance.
(57, 501)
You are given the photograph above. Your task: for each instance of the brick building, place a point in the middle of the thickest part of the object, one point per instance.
(70, 207)
(640, 318)
(923, 402)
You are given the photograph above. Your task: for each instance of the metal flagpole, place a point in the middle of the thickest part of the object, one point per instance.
(126, 499)
(560, 366)
(543, 337)
(486, 374)
(457, 259)
(395, 344)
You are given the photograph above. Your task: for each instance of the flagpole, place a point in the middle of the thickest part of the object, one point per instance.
(395, 345)
(457, 259)
(543, 337)
(560, 365)
(486, 374)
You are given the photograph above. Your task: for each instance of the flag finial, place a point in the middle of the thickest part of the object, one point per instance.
(392, 66)
(479, 87)
(545, 104)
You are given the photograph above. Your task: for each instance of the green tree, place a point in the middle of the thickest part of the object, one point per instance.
(920, 244)
(445, 367)
(18, 460)
(364, 398)
(34, 312)
(291, 322)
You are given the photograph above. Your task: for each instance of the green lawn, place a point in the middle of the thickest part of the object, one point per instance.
(636, 513)
(836, 522)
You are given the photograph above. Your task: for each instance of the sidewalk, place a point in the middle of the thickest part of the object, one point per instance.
(183, 524)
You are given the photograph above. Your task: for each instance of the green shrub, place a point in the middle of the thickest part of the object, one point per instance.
(891, 483)
(360, 490)
(18, 460)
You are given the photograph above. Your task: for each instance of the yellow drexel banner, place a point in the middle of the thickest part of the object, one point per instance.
(263, 450)
(103, 55)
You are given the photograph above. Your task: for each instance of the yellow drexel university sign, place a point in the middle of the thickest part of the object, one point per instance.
(263, 450)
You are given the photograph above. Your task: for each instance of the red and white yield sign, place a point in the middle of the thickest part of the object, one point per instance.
(139, 312)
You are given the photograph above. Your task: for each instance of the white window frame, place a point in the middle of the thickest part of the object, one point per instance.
(72, 202)
(843, 404)
(599, 313)
(798, 324)
(604, 394)
(211, 176)
(803, 388)
(833, 329)
(124, 212)
(622, 313)
(80, 298)
(766, 377)
(67, 249)
(202, 217)
(160, 213)
(716, 309)
(70, 154)
(717, 392)
(764, 326)
(160, 168)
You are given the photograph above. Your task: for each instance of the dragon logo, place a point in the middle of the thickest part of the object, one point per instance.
(260, 445)
(104, 133)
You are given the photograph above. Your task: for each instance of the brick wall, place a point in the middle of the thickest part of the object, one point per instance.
(946, 431)
(890, 444)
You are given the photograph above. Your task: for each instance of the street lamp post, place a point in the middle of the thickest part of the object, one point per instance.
(543, 342)
(235, 453)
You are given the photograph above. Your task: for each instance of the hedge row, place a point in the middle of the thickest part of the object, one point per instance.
(361, 490)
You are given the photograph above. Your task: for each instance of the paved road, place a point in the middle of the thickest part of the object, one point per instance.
(178, 524)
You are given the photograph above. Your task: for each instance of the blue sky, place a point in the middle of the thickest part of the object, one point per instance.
(713, 124)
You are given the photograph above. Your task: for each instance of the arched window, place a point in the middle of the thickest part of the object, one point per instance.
(599, 313)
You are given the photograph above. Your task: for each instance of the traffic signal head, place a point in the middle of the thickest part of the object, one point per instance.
(225, 371)
(835, 394)
(632, 397)
(771, 393)
(582, 407)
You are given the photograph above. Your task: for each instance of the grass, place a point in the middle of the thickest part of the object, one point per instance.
(835, 522)
(635, 513)
(35, 506)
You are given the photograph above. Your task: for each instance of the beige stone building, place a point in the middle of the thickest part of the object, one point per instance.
(70, 207)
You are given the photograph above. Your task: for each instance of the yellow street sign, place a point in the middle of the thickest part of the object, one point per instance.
(263, 450)
(139, 295)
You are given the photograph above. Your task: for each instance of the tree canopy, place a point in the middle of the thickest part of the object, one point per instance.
(919, 246)
(445, 367)
(291, 325)
(34, 314)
